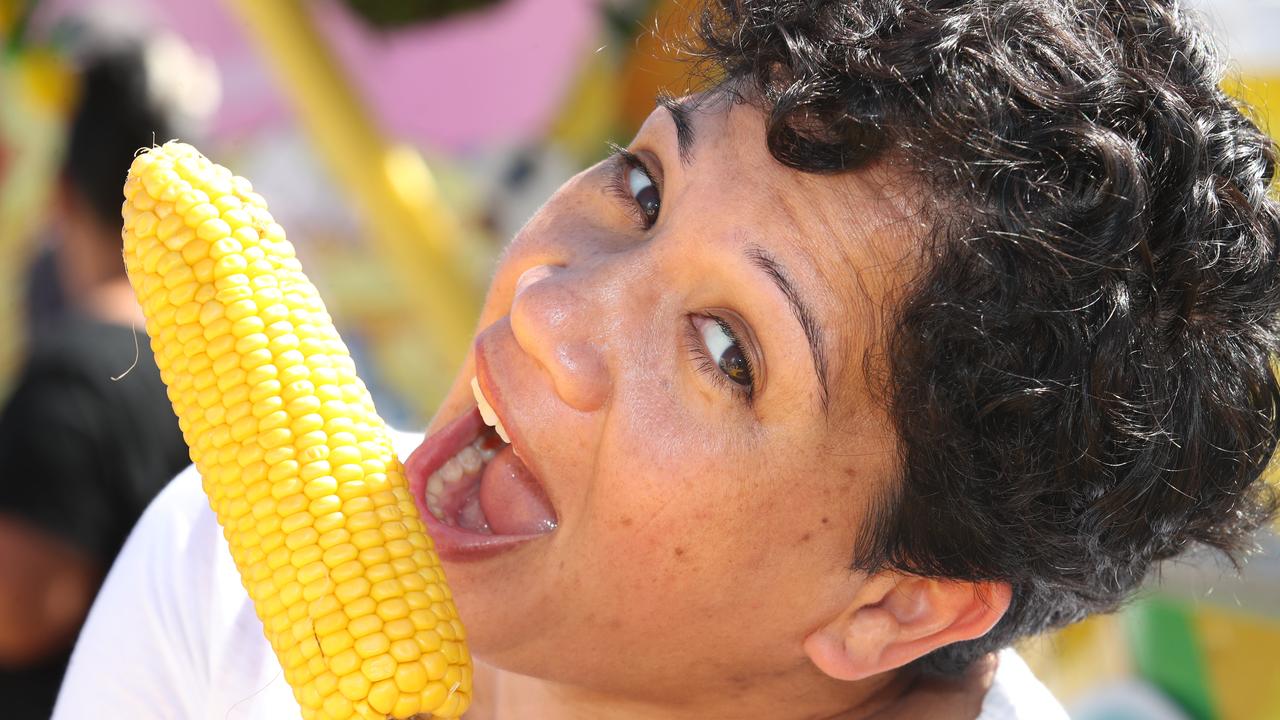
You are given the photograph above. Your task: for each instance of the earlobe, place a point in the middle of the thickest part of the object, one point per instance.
(895, 619)
(850, 648)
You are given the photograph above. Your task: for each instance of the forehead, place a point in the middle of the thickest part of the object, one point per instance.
(849, 240)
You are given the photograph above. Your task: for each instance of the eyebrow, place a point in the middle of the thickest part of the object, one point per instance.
(812, 332)
(759, 257)
(684, 128)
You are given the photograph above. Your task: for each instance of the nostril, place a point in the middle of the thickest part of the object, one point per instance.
(531, 276)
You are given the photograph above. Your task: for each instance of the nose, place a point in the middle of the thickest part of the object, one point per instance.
(558, 319)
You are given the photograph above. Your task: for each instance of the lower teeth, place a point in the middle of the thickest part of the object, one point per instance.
(461, 468)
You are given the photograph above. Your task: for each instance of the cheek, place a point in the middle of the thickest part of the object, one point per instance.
(694, 539)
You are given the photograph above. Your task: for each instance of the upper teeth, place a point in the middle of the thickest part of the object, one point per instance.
(486, 412)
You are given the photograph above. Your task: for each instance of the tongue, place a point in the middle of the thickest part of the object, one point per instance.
(512, 500)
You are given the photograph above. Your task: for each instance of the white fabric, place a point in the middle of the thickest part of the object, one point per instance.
(174, 635)
(1016, 694)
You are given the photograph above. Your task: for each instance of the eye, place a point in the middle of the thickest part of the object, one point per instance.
(644, 191)
(724, 350)
(635, 186)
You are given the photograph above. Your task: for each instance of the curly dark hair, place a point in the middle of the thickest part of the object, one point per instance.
(1080, 376)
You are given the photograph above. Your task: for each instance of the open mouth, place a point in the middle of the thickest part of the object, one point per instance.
(475, 494)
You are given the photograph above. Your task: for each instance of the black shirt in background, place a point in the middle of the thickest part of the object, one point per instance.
(82, 455)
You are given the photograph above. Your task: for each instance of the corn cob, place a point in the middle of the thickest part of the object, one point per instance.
(295, 461)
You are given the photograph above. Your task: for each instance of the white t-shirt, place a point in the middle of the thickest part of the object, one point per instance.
(173, 633)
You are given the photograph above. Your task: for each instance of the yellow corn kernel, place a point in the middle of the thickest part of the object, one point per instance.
(296, 463)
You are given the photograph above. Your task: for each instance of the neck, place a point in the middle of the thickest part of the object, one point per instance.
(511, 696)
(91, 269)
(112, 301)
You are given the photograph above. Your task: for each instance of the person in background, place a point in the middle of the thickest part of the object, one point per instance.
(87, 437)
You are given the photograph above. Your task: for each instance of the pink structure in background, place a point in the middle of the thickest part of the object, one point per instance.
(497, 75)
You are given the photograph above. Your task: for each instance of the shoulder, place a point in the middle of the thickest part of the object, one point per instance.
(147, 619)
(78, 343)
(179, 508)
(175, 620)
(172, 623)
(79, 371)
(1016, 694)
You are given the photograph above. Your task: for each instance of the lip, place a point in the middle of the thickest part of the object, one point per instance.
(455, 543)
(451, 543)
(494, 396)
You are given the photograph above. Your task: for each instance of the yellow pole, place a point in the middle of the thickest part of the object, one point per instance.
(391, 184)
(37, 90)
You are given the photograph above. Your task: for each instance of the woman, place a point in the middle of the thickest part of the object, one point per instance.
(928, 327)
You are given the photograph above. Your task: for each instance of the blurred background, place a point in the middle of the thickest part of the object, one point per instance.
(401, 144)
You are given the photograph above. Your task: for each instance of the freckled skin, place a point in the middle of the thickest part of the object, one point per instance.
(674, 574)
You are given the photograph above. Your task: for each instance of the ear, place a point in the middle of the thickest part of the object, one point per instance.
(896, 618)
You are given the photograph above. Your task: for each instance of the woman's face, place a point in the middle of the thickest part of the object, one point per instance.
(675, 345)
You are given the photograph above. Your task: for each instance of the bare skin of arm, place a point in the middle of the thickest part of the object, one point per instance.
(46, 588)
